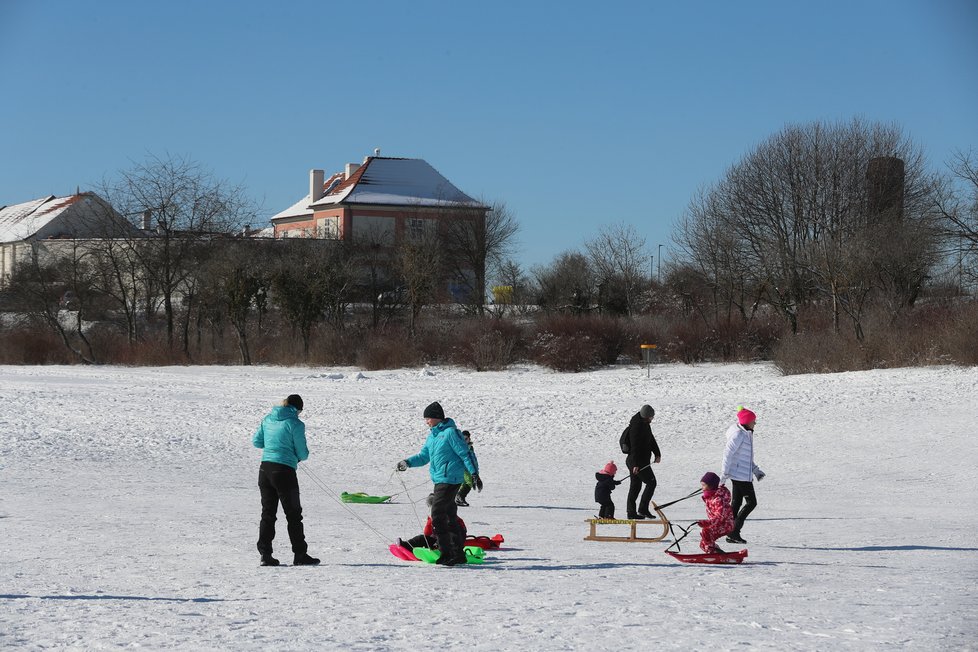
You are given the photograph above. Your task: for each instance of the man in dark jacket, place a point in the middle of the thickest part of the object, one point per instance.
(642, 446)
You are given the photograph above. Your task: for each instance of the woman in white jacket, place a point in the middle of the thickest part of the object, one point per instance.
(738, 466)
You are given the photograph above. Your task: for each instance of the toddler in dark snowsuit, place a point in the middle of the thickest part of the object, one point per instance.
(602, 490)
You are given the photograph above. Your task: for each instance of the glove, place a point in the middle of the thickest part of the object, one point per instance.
(702, 523)
(477, 481)
(760, 475)
(402, 465)
(723, 479)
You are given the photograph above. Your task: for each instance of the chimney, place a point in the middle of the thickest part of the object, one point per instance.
(315, 185)
(147, 220)
(350, 169)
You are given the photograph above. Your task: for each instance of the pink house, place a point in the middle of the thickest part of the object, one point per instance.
(381, 202)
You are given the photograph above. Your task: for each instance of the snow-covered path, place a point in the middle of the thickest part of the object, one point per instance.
(129, 510)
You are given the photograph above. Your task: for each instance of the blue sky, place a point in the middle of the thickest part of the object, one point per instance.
(577, 115)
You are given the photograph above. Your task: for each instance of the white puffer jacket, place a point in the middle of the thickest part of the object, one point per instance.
(738, 456)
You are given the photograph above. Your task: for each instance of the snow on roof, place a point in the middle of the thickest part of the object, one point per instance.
(298, 209)
(398, 181)
(21, 221)
(301, 208)
(385, 181)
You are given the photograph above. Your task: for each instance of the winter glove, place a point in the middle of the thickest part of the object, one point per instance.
(760, 475)
(477, 481)
(723, 479)
(402, 466)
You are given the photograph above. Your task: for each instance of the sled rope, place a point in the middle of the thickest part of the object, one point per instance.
(679, 500)
(332, 494)
(413, 507)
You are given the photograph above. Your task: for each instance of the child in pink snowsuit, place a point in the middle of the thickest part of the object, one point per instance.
(720, 519)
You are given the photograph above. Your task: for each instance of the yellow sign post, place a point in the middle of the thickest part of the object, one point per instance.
(647, 351)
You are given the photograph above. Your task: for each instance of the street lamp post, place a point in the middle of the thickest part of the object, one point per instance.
(658, 277)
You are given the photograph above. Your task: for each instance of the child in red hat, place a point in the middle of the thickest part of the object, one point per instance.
(602, 490)
(720, 519)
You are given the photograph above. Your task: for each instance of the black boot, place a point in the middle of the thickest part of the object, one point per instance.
(268, 560)
(304, 560)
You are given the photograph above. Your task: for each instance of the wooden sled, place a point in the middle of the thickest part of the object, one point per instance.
(633, 524)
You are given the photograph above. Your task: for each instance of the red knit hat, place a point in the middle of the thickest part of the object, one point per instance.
(610, 469)
(745, 416)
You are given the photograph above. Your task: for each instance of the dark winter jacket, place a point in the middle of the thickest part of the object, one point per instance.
(606, 484)
(642, 443)
(282, 437)
(447, 453)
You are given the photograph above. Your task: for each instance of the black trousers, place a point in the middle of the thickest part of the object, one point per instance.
(743, 492)
(444, 521)
(607, 508)
(645, 476)
(278, 483)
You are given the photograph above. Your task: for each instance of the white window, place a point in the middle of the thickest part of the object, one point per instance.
(328, 228)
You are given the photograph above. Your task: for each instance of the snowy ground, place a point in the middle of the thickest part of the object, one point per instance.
(129, 510)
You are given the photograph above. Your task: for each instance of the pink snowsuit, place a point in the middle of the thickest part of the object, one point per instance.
(720, 519)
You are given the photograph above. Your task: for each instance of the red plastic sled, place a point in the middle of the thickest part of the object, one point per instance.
(486, 543)
(710, 558)
(402, 553)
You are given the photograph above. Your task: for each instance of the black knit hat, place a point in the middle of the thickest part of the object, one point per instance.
(647, 412)
(434, 411)
(295, 401)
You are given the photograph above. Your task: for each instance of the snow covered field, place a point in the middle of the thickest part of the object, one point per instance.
(129, 511)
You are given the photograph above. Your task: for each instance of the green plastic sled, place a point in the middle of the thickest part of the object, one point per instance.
(361, 497)
(473, 554)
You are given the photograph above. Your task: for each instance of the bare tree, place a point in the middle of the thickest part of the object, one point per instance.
(618, 256)
(479, 245)
(796, 209)
(53, 286)
(956, 204)
(516, 287)
(185, 204)
(567, 284)
(421, 266)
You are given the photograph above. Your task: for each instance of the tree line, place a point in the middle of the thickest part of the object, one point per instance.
(821, 223)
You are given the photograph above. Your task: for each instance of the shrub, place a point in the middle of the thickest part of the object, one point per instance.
(487, 344)
(389, 350)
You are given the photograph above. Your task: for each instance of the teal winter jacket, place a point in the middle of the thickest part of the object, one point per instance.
(282, 436)
(447, 453)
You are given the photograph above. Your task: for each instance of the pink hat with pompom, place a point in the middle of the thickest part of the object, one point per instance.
(610, 469)
(745, 416)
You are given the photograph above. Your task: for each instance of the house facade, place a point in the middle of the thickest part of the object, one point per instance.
(381, 201)
(50, 225)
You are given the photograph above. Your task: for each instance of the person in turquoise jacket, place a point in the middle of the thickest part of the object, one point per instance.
(448, 458)
(282, 438)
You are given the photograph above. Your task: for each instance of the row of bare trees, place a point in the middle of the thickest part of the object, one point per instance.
(838, 215)
(166, 247)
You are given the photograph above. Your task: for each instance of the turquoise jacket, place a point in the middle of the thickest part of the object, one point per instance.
(282, 436)
(447, 453)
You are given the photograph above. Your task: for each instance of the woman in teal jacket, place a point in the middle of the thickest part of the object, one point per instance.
(448, 457)
(282, 437)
